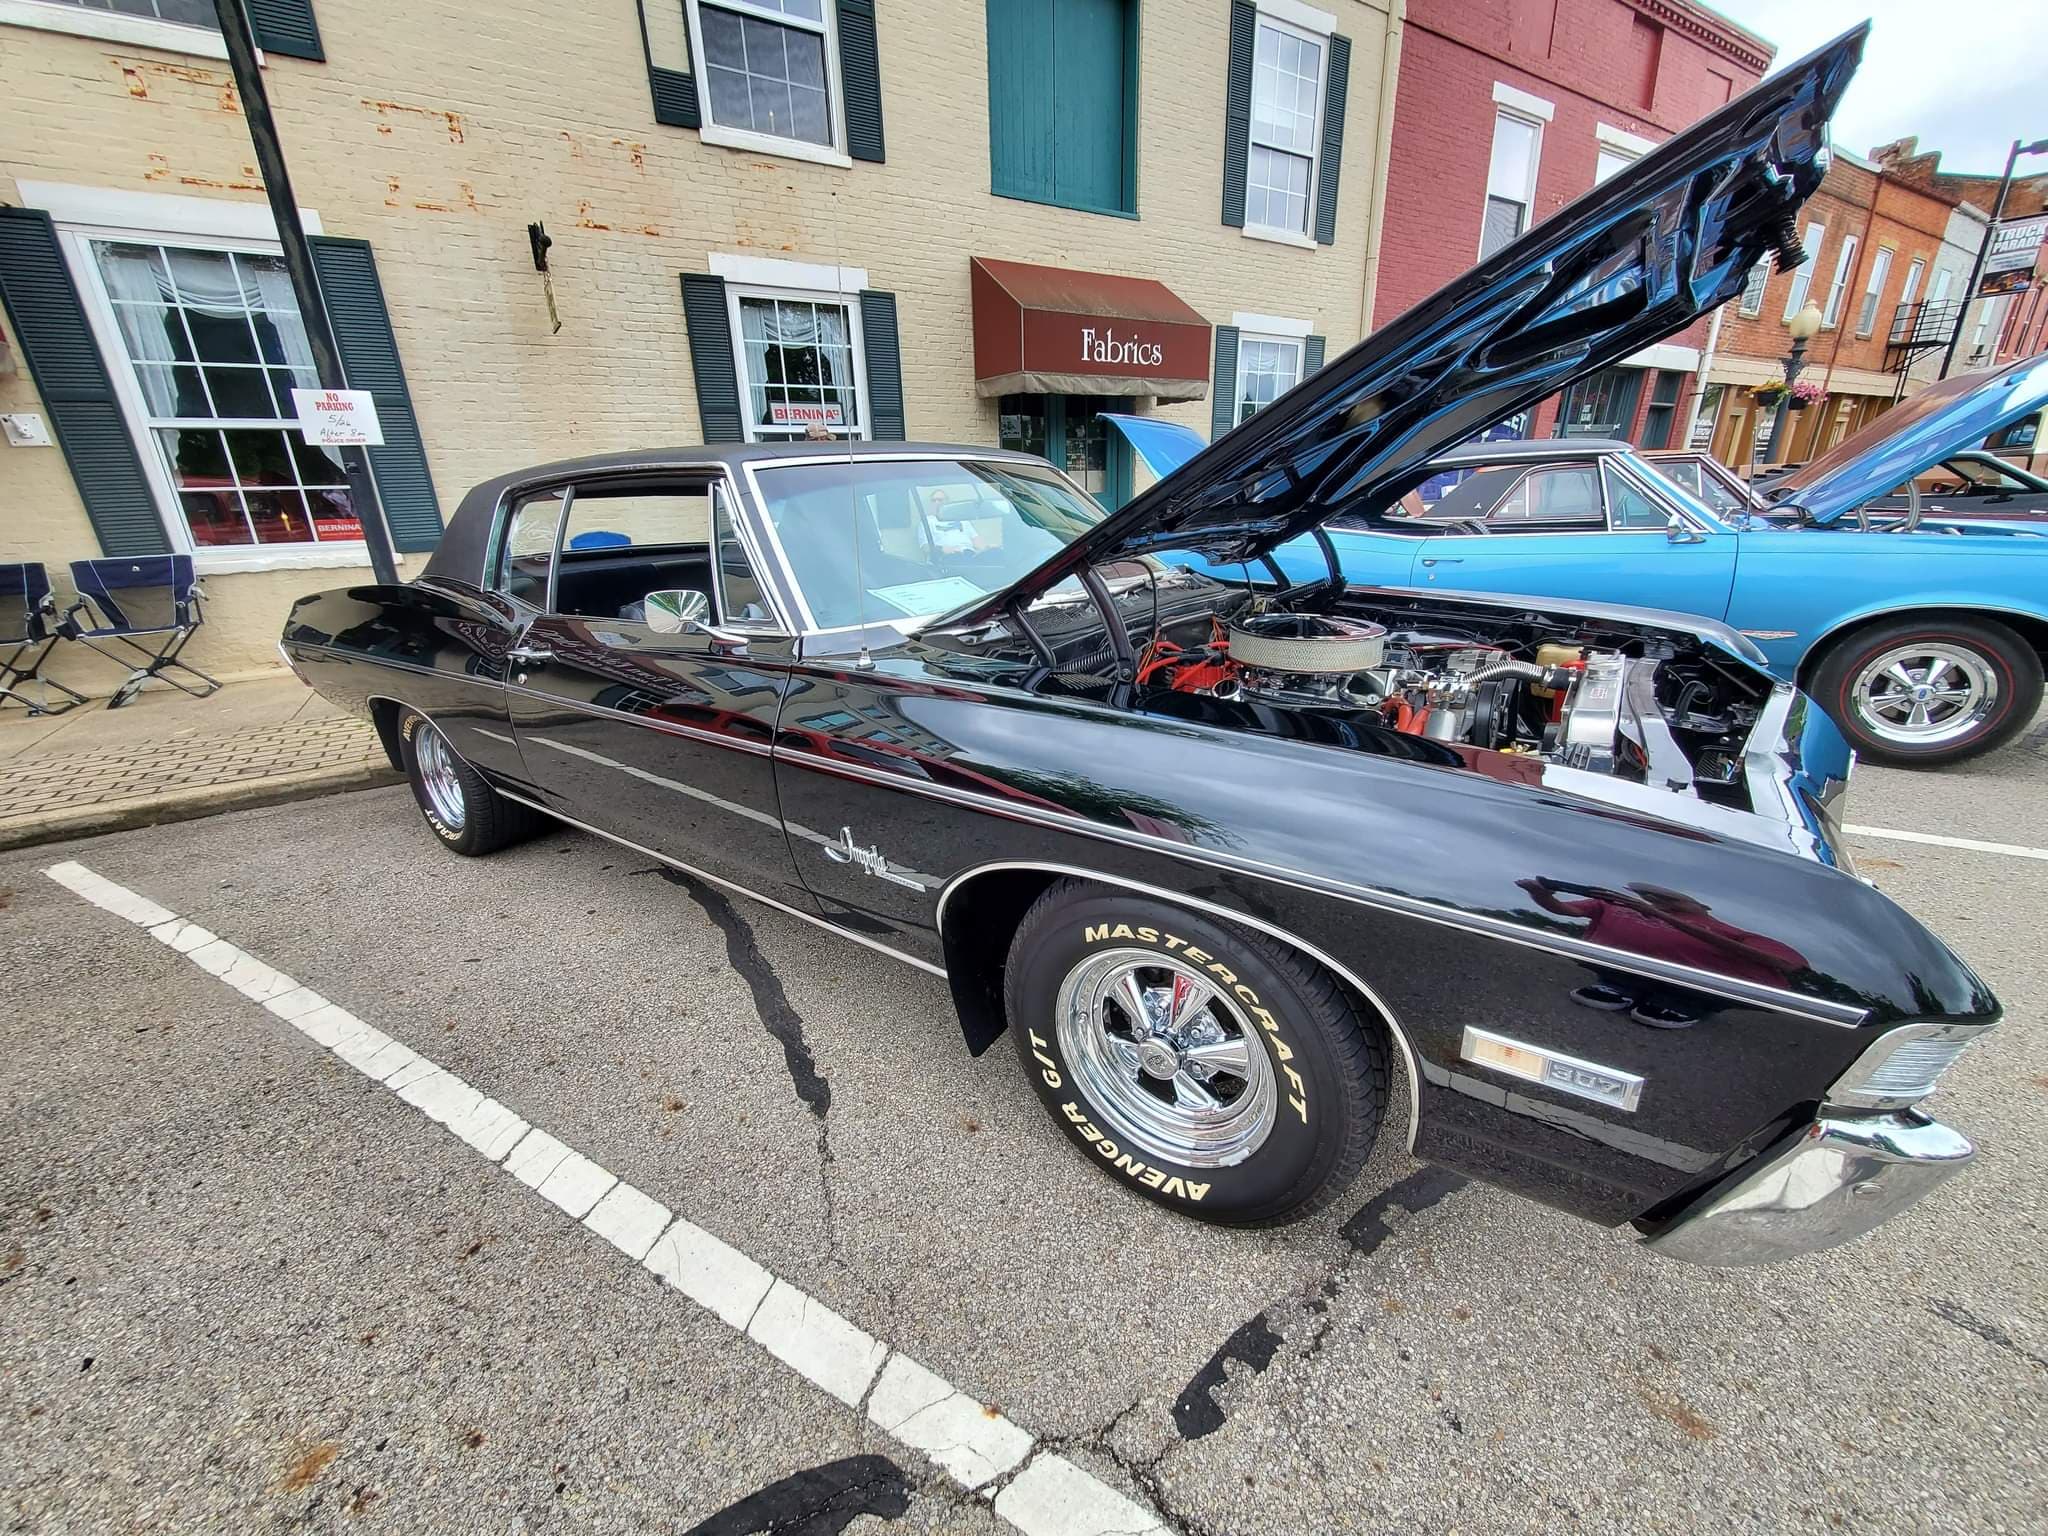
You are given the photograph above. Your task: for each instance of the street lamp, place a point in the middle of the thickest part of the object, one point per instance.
(1804, 326)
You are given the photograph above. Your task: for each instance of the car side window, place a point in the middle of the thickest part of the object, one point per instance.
(739, 599)
(528, 549)
(1558, 500)
(1630, 510)
(625, 539)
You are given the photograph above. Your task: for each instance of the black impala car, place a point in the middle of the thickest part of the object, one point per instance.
(1215, 853)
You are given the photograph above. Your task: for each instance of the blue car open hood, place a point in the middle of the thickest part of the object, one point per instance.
(1954, 414)
(1630, 263)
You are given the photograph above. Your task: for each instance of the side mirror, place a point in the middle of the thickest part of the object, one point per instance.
(686, 613)
(1678, 531)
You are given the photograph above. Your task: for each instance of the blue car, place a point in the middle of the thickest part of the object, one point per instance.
(1923, 636)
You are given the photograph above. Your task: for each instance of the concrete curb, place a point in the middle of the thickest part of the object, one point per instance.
(193, 803)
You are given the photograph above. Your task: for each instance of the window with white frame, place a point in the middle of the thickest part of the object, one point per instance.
(213, 341)
(1752, 301)
(1510, 180)
(1267, 367)
(1915, 270)
(1287, 104)
(1990, 326)
(1845, 263)
(1618, 149)
(767, 68)
(1802, 275)
(799, 364)
(192, 13)
(1943, 278)
(1873, 291)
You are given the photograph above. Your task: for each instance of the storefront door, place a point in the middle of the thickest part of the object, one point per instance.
(1601, 406)
(1070, 431)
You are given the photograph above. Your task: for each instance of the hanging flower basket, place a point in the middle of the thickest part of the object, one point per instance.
(1768, 395)
(1803, 394)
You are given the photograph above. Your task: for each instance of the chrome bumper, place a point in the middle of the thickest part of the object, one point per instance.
(1828, 1185)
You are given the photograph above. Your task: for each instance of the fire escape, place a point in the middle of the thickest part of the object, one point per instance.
(1924, 326)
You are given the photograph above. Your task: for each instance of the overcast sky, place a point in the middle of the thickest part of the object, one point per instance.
(1965, 75)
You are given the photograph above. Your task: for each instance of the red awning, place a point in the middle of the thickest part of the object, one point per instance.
(1049, 331)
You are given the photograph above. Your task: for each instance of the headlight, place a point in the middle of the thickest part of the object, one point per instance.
(1904, 1065)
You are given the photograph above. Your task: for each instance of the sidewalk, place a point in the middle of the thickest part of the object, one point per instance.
(167, 757)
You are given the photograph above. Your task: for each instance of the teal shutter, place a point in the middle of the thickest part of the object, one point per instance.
(1237, 112)
(1311, 355)
(1020, 124)
(718, 382)
(76, 390)
(1336, 87)
(354, 300)
(884, 365)
(1223, 394)
(675, 93)
(1062, 100)
(860, 79)
(285, 26)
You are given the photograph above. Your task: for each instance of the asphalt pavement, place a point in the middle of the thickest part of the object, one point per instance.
(243, 1287)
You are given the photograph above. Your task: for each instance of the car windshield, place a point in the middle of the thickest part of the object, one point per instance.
(904, 540)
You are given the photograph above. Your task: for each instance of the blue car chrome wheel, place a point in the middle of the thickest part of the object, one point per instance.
(1926, 693)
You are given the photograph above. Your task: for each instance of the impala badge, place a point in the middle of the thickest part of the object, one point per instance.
(870, 859)
(1567, 1074)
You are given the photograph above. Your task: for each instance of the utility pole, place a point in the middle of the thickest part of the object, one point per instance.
(298, 260)
(2038, 147)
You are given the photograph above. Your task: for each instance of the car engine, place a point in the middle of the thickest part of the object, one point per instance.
(1557, 698)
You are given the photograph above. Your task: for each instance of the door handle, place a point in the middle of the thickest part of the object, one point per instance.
(1443, 559)
(530, 655)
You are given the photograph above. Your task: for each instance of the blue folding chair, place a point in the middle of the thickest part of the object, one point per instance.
(130, 602)
(27, 632)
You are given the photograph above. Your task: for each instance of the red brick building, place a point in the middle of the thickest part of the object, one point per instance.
(1506, 110)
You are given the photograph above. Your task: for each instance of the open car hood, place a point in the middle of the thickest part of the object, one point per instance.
(1625, 266)
(1914, 435)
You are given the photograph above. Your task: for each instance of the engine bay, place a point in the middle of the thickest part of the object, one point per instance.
(1636, 705)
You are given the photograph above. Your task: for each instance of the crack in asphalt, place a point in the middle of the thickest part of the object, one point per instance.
(818, 1501)
(779, 1017)
(1955, 1312)
(1143, 1471)
(1255, 1343)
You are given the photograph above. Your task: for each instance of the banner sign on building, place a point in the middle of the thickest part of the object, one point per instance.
(2009, 264)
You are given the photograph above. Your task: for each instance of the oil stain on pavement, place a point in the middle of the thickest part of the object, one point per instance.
(819, 1501)
(1199, 1410)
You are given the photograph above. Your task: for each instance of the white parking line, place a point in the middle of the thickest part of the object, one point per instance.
(1974, 845)
(973, 1444)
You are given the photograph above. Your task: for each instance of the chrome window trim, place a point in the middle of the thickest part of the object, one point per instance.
(1848, 1088)
(1736, 989)
(1602, 464)
(788, 571)
(1229, 914)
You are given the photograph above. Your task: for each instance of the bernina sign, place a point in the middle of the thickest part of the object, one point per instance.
(1048, 330)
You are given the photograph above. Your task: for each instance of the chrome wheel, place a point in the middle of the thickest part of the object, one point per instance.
(438, 776)
(1166, 1058)
(1926, 693)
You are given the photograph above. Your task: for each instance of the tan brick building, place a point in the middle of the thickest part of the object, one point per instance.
(778, 234)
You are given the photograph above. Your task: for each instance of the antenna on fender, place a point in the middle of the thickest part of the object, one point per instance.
(865, 662)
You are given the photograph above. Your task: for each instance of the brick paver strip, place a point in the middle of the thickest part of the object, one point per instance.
(59, 783)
